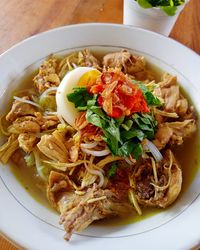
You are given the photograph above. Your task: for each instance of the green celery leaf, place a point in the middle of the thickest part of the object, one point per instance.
(97, 110)
(114, 129)
(112, 170)
(120, 120)
(97, 117)
(149, 97)
(126, 135)
(131, 148)
(143, 87)
(126, 149)
(146, 123)
(82, 108)
(111, 141)
(127, 125)
(94, 119)
(79, 97)
(145, 120)
(150, 134)
(92, 102)
(137, 151)
(112, 132)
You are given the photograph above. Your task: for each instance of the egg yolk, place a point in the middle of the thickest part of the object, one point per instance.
(88, 78)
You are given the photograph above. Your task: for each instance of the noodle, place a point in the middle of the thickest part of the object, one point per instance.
(27, 101)
(47, 91)
(95, 172)
(107, 160)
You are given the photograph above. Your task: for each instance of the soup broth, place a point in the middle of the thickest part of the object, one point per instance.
(187, 155)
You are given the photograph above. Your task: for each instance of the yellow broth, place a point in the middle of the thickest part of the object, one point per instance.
(187, 155)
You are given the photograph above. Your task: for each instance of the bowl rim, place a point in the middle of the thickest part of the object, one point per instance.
(93, 24)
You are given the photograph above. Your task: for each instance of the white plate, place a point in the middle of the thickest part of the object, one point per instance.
(33, 226)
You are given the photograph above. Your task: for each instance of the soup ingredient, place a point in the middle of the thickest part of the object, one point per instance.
(169, 91)
(53, 148)
(33, 124)
(111, 108)
(47, 76)
(149, 146)
(118, 96)
(8, 148)
(76, 59)
(113, 169)
(135, 66)
(174, 133)
(47, 99)
(72, 79)
(27, 141)
(78, 211)
(19, 109)
(161, 184)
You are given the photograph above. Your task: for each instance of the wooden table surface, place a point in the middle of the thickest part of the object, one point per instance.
(23, 18)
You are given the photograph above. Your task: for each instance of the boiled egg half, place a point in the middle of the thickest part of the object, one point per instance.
(78, 77)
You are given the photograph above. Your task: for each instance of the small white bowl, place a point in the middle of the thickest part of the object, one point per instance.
(152, 19)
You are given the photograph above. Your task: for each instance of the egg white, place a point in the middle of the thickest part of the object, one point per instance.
(66, 109)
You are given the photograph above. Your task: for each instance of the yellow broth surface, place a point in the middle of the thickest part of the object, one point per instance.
(187, 155)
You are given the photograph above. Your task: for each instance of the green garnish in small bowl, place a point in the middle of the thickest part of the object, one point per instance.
(168, 6)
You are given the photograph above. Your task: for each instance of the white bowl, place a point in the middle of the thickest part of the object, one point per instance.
(33, 226)
(153, 19)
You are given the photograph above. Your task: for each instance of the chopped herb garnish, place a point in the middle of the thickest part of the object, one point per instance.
(147, 123)
(133, 133)
(80, 97)
(123, 135)
(149, 97)
(112, 170)
(127, 125)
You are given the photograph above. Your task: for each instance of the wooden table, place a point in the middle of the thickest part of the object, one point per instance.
(23, 18)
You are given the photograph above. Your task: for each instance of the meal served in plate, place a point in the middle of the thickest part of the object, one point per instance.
(99, 135)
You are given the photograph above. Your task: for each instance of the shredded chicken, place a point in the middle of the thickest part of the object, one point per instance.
(174, 132)
(47, 76)
(128, 63)
(169, 91)
(57, 184)
(33, 124)
(53, 148)
(81, 59)
(162, 190)
(78, 211)
(87, 59)
(26, 124)
(19, 109)
(96, 204)
(46, 122)
(27, 142)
